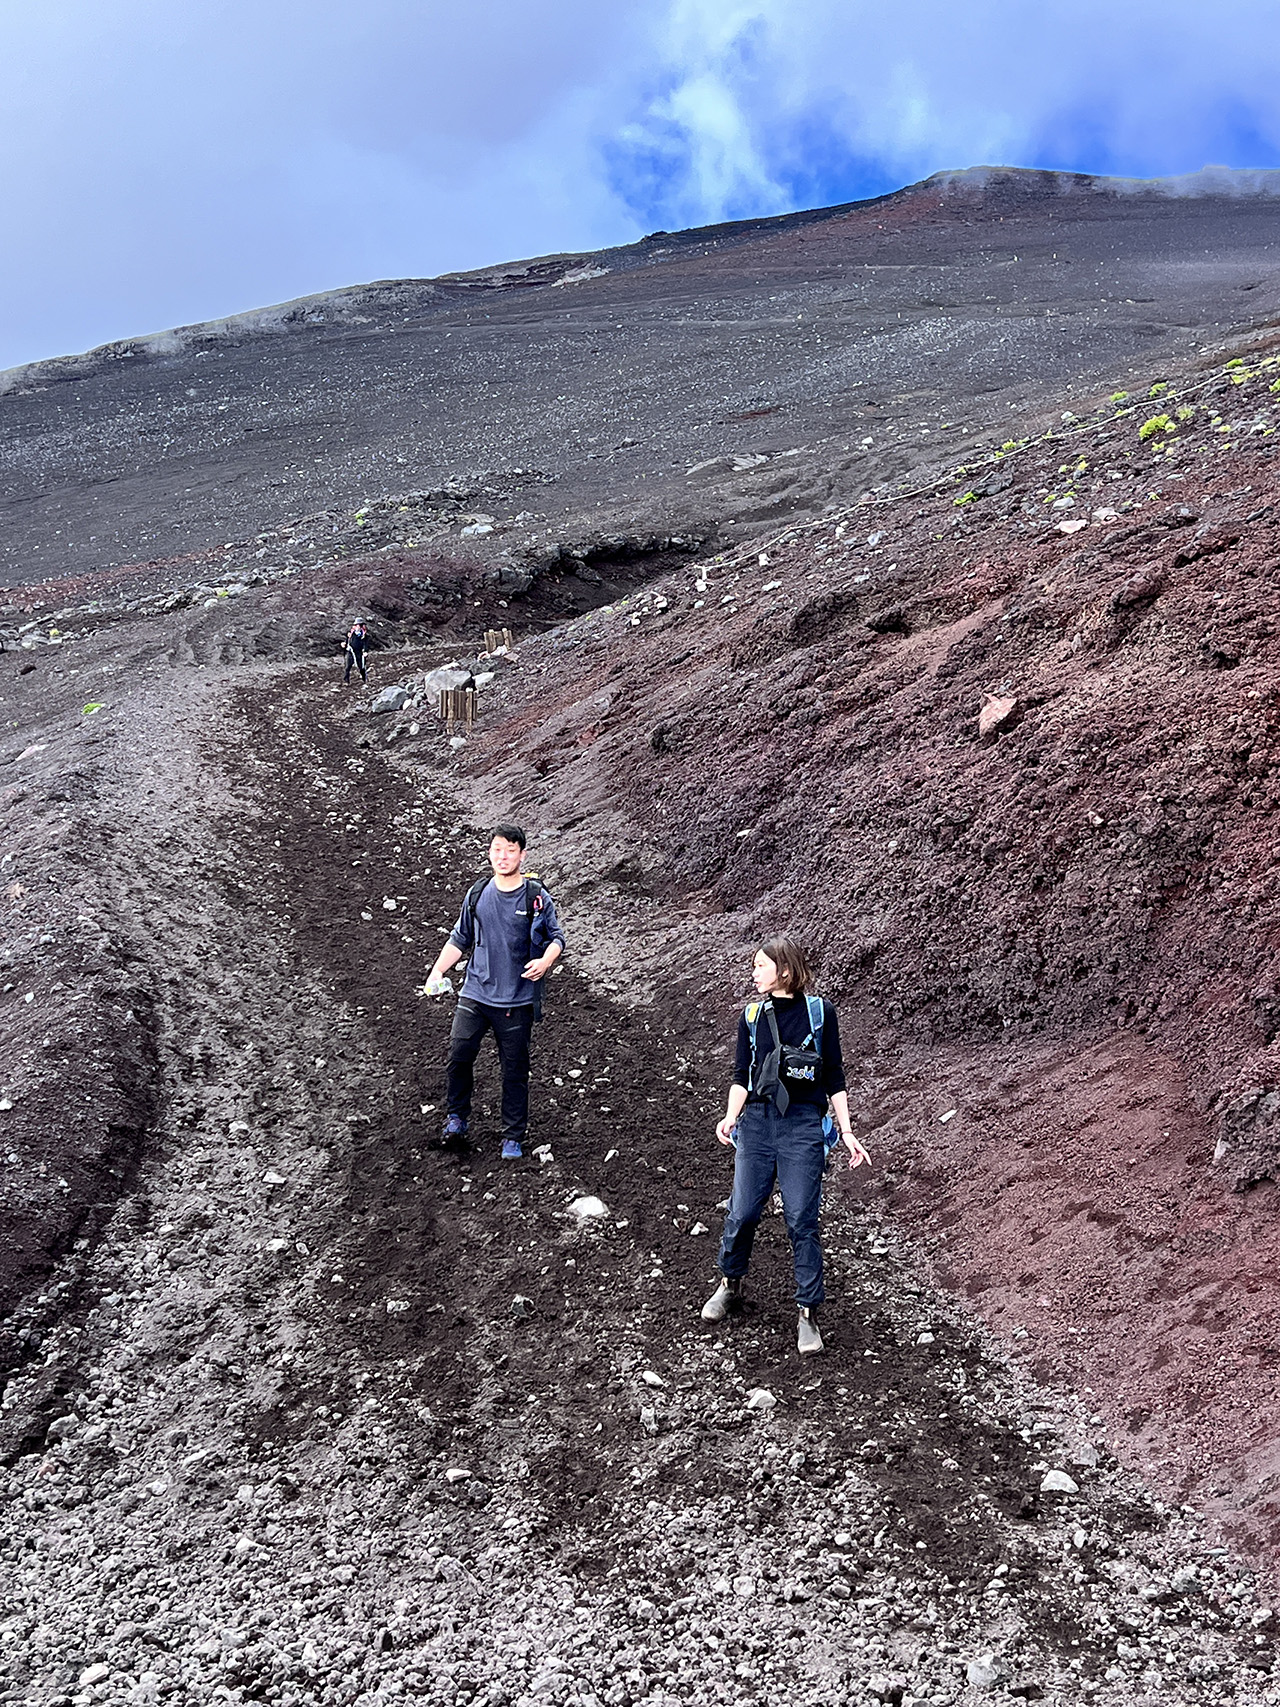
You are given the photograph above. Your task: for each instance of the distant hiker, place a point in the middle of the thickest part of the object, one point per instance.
(357, 638)
(508, 928)
(788, 1068)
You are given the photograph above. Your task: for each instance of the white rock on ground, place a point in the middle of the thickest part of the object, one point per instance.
(588, 1209)
(1058, 1482)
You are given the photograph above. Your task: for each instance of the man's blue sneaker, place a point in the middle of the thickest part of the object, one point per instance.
(455, 1128)
(512, 1149)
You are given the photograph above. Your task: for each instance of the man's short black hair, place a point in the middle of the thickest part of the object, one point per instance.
(510, 833)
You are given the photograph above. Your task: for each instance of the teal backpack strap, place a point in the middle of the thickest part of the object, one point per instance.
(814, 1005)
(830, 1136)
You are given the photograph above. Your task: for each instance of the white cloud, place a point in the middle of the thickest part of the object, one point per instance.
(1143, 88)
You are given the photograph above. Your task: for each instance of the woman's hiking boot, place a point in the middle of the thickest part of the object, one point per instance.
(726, 1298)
(808, 1339)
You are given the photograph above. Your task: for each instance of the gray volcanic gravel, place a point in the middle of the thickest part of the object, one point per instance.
(732, 375)
(329, 1417)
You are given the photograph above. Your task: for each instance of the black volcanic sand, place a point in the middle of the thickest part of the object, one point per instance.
(920, 317)
(258, 1390)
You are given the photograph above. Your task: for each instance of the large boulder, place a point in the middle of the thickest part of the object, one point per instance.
(446, 677)
(390, 699)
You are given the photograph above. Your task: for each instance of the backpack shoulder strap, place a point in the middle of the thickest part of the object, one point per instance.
(814, 1005)
(755, 1012)
(753, 1023)
(476, 890)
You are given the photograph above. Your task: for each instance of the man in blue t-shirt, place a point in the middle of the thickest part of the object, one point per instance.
(509, 930)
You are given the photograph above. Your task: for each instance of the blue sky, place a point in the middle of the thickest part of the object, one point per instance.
(162, 163)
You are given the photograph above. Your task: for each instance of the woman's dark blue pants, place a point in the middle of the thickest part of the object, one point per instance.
(787, 1148)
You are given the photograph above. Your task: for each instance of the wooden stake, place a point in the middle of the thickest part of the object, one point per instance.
(458, 705)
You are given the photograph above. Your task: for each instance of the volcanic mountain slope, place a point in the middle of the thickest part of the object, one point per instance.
(717, 378)
(1006, 754)
(297, 1409)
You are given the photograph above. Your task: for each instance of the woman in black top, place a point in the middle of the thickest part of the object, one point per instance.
(788, 1069)
(357, 640)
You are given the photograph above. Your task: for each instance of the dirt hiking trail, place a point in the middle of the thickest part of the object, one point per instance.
(330, 1416)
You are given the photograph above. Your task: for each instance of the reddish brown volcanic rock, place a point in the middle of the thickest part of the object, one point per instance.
(1066, 930)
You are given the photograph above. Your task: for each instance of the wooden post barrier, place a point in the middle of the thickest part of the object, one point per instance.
(458, 705)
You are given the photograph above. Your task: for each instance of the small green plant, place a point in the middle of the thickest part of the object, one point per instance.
(1159, 389)
(1157, 424)
(966, 498)
(1079, 469)
(1274, 386)
(1236, 361)
(1119, 396)
(1012, 444)
(1186, 413)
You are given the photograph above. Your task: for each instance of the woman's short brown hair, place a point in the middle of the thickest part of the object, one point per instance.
(792, 962)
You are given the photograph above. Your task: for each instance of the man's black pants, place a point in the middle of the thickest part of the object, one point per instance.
(512, 1028)
(356, 658)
